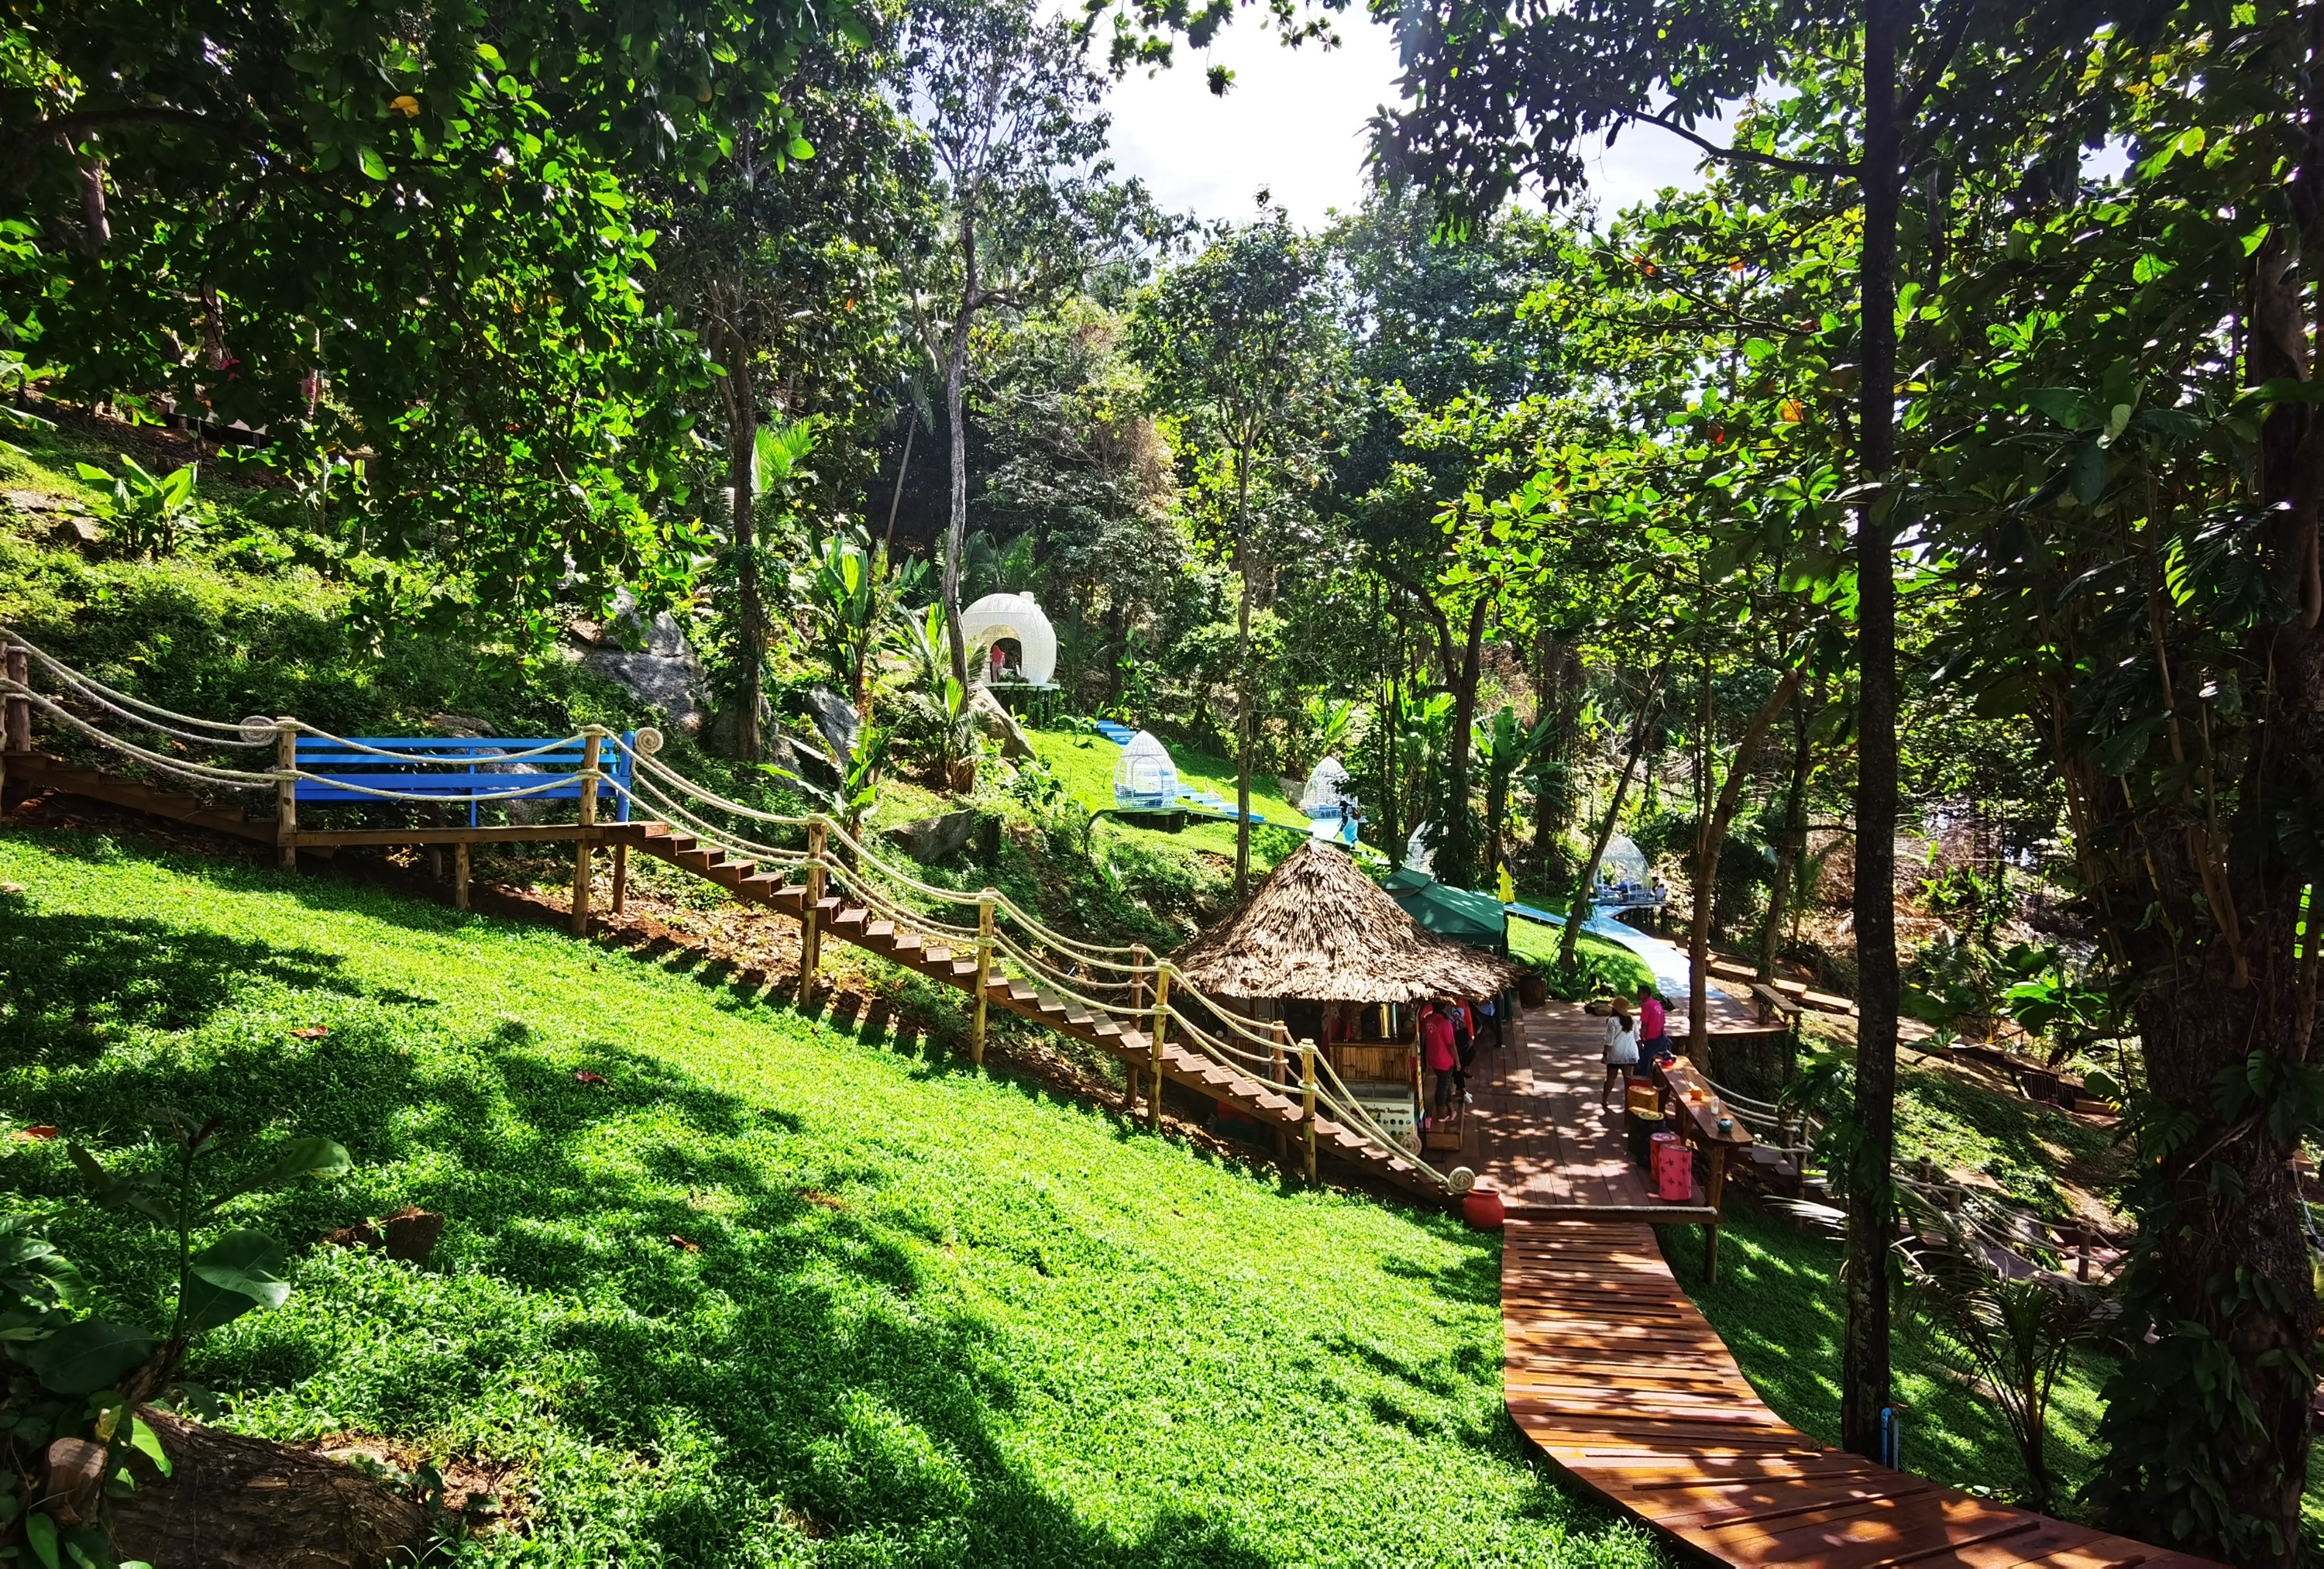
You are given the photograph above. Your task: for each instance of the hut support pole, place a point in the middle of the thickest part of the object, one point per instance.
(1308, 1106)
(811, 911)
(1161, 1021)
(983, 975)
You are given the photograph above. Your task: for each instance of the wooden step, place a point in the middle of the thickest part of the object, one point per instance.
(759, 885)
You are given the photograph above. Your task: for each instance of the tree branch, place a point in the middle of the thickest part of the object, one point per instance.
(1734, 154)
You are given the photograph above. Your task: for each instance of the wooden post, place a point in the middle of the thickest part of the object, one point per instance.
(1137, 978)
(810, 911)
(19, 725)
(1711, 1232)
(620, 878)
(460, 875)
(584, 847)
(286, 791)
(1307, 1105)
(1160, 1023)
(983, 975)
(1281, 1066)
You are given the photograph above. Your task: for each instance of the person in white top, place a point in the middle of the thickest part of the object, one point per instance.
(1621, 1046)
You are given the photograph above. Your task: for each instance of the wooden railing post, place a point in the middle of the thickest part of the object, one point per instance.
(1137, 978)
(1160, 1023)
(810, 907)
(584, 846)
(1307, 1104)
(983, 975)
(1281, 1067)
(286, 791)
(19, 725)
(460, 875)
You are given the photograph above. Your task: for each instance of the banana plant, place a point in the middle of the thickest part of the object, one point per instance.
(1504, 747)
(152, 514)
(850, 599)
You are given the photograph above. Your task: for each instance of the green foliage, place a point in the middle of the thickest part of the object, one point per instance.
(935, 1317)
(151, 514)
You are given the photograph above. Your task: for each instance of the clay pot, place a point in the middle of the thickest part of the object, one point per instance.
(1482, 1208)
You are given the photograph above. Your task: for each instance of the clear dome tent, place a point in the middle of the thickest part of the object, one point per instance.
(1145, 780)
(1327, 789)
(1417, 855)
(1017, 617)
(1623, 859)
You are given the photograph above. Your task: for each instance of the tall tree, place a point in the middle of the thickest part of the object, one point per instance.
(1010, 108)
(406, 235)
(1242, 336)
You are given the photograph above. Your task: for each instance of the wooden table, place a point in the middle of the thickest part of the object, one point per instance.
(1682, 1084)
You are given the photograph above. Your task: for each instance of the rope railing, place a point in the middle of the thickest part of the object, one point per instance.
(1007, 943)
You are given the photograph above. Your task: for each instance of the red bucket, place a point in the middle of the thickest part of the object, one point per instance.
(1674, 1166)
(1482, 1208)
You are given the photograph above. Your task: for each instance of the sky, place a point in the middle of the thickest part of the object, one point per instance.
(1295, 123)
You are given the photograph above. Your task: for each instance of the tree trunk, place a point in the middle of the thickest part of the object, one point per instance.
(1791, 845)
(1578, 905)
(1710, 842)
(232, 1502)
(1242, 675)
(1460, 840)
(1863, 1377)
(742, 454)
(956, 402)
(896, 497)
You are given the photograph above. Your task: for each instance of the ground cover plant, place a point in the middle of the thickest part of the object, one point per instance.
(722, 1284)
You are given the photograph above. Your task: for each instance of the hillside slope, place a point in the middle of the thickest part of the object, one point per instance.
(769, 1293)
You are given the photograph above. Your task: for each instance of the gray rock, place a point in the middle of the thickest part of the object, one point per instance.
(833, 717)
(934, 839)
(664, 673)
(997, 724)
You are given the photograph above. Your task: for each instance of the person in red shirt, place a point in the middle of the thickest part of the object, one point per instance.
(1437, 1053)
(1653, 1024)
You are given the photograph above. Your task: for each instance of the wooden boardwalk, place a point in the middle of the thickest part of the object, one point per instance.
(1540, 1135)
(1620, 1379)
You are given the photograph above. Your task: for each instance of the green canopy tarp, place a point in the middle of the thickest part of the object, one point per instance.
(1465, 917)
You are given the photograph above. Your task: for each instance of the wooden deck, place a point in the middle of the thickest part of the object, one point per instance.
(1620, 1379)
(1540, 1136)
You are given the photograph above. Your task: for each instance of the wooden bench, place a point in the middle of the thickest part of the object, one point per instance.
(1774, 1007)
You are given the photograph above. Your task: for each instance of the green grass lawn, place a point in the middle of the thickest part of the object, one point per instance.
(1533, 943)
(935, 1317)
(1084, 762)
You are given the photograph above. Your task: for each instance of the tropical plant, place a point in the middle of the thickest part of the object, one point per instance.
(68, 1415)
(154, 515)
(2018, 1331)
(850, 600)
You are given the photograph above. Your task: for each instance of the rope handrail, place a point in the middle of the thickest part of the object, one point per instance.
(1020, 943)
(70, 675)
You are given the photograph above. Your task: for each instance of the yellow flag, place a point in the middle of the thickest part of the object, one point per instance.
(1508, 888)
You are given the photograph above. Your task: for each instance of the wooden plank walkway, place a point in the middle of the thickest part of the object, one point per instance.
(1612, 1371)
(1540, 1135)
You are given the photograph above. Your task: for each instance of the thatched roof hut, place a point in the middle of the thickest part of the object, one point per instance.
(1321, 931)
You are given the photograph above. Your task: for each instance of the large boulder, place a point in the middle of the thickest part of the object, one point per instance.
(650, 660)
(939, 839)
(997, 724)
(834, 718)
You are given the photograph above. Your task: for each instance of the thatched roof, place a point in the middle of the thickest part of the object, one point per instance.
(1319, 930)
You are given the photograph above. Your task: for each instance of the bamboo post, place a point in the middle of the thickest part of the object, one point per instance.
(460, 876)
(1307, 1105)
(983, 975)
(1137, 978)
(621, 876)
(811, 909)
(1161, 1022)
(286, 791)
(584, 847)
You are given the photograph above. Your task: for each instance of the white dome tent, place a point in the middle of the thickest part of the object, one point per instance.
(1624, 860)
(1327, 789)
(1011, 616)
(1145, 780)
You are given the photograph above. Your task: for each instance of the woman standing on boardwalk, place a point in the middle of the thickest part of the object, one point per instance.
(1621, 1046)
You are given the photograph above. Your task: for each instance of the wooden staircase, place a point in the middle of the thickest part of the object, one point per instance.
(1272, 1105)
(34, 767)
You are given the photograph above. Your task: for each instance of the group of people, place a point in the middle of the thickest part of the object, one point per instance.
(1632, 1040)
(1451, 1030)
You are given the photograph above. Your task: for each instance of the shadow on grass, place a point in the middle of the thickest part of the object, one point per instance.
(768, 1337)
